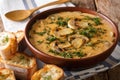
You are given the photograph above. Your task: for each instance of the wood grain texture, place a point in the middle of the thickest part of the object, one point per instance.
(114, 73)
(90, 4)
(99, 76)
(110, 8)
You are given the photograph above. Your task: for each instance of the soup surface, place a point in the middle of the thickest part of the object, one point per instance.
(71, 35)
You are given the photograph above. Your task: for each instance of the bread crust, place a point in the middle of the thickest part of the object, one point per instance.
(9, 49)
(21, 40)
(1, 63)
(49, 71)
(21, 71)
(7, 74)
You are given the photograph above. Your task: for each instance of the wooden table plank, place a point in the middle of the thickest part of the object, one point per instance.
(114, 73)
(99, 76)
(90, 4)
(110, 8)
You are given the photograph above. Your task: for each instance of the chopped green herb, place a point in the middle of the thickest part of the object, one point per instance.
(60, 18)
(53, 51)
(79, 54)
(87, 18)
(95, 43)
(39, 41)
(102, 31)
(67, 19)
(51, 38)
(47, 77)
(66, 55)
(6, 38)
(21, 57)
(62, 22)
(90, 44)
(63, 54)
(40, 33)
(96, 20)
(89, 31)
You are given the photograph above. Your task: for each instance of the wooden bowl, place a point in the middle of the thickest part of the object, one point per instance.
(83, 62)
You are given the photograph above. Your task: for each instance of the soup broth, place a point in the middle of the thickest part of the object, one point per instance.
(71, 35)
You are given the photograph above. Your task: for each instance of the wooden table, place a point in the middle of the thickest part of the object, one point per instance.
(111, 9)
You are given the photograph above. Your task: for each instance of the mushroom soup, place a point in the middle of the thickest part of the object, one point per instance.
(71, 35)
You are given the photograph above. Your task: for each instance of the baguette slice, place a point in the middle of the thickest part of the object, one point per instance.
(1, 63)
(21, 40)
(6, 74)
(49, 72)
(23, 65)
(8, 45)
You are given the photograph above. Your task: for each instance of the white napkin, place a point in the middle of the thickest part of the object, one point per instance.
(9, 5)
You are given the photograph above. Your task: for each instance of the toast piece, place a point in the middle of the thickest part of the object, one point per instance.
(23, 65)
(1, 63)
(49, 72)
(21, 40)
(8, 45)
(6, 74)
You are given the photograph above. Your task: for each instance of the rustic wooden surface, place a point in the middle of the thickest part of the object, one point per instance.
(111, 9)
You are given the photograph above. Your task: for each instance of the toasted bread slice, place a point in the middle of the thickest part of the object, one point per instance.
(6, 74)
(8, 45)
(49, 72)
(1, 63)
(21, 40)
(23, 65)
(19, 35)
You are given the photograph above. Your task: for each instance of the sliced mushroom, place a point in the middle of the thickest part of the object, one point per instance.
(78, 23)
(65, 31)
(57, 46)
(111, 34)
(64, 45)
(78, 36)
(54, 46)
(107, 44)
(71, 24)
(82, 24)
(78, 42)
(85, 38)
(57, 34)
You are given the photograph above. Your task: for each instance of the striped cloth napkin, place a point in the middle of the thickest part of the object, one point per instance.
(9, 5)
(70, 74)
